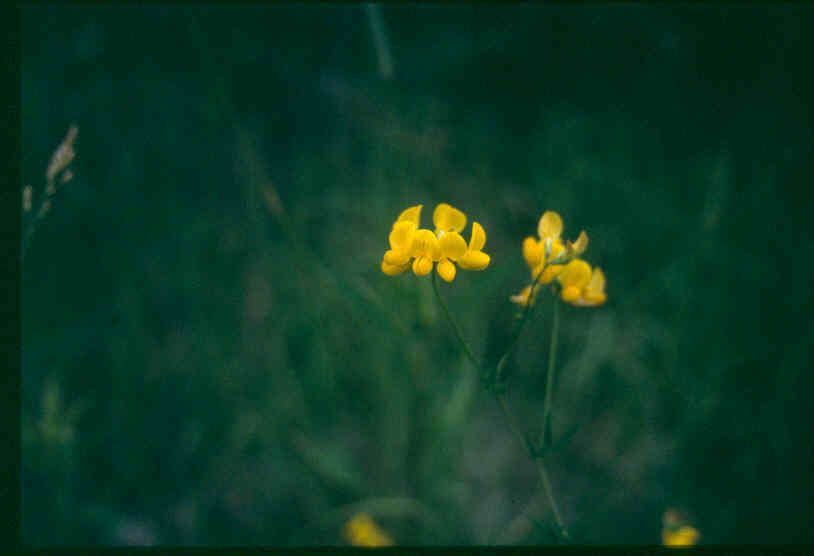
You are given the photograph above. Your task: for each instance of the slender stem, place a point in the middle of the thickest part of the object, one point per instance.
(540, 466)
(552, 359)
(527, 311)
(541, 470)
(458, 334)
(550, 493)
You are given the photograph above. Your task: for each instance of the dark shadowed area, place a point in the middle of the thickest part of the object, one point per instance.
(211, 354)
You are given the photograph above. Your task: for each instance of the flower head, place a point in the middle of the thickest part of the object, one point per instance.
(548, 258)
(421, 248)
(550, 247)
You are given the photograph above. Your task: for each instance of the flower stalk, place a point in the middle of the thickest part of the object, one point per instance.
(525, 316)
(532, 451)
(552, 359)
(455, 327)
(551, 259)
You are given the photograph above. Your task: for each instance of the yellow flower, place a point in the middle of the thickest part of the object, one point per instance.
(449, 222)
(361, 530)
(424, 248)
(550, 247)
(426, 251)
(581, 286)
(448, 219)
(474, 258)
(397, 259)
(676, 532)
(548, 254)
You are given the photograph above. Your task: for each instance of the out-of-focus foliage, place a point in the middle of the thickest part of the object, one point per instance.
(212, 355)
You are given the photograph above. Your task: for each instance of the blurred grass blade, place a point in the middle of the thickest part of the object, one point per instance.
(327, 464)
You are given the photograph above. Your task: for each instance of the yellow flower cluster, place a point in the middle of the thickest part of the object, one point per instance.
(550, 258)
(422, 248)
(361, 530)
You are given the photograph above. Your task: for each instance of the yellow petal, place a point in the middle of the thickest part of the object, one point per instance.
(401, 235)
(397, 257)
(550, 225)
(594, 292)
(478, 239)
(452, 245)
(425, 244)
(411, 214)
(570, 294)
(532, 252)
(557, 247)
(580, 245)
(447, 270)
(422, 266)
(392, 270)
(474, 260)
(448, 219)
(597, 282)
(576, 274)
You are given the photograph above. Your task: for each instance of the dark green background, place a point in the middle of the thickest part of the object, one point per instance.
(197, 370)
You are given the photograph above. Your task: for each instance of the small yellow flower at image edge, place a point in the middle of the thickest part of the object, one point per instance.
(361, 530)
(420, 249)
(676, 532)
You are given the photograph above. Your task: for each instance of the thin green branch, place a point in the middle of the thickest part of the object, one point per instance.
(458, 334)
(527, 311)
(539, 465)
(531, 450)
(552, 359)
(550, 494)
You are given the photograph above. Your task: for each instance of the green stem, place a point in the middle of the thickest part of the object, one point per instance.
(502, 402)
(541, 470)
(458, 334)
(550, 494)
(540, 466)
(552, 359)
(527, 311)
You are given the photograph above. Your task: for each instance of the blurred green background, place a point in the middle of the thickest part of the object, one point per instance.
(211, 355)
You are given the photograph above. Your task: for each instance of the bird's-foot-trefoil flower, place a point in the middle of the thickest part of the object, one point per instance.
(422, 248)
(549, 256)
(582, 286)
(550, 251)
(397, 258)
